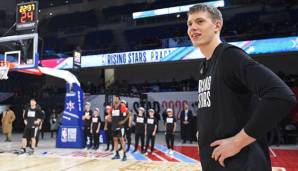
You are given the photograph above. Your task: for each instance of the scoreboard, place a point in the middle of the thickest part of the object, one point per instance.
(27, 15)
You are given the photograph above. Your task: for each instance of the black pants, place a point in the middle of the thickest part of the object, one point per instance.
(95, 137)
(250, 158)
(109, 137)
(186, 132)
(88, 136)
(37, 137)
(42, 133)
(170, 140)
(52, 133)
(128, 137)
(137, 137)
(149, 138)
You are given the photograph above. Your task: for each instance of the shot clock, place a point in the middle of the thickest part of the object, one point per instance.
(26, 15)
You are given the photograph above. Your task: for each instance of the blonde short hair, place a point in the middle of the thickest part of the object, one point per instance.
(214, 13)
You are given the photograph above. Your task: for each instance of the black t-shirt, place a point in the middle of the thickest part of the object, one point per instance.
(31, 115)
(151, 123)
(87, 122)
(140, 124)
(228, 81)
(117, 116)
(95, 121)
(170, 121)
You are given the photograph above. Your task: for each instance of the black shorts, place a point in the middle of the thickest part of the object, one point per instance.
(30, 133)
(119, 133)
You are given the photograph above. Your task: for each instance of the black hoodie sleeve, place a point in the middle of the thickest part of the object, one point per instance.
(276, 98)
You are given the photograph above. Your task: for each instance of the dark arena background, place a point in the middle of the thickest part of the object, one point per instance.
(69, 55)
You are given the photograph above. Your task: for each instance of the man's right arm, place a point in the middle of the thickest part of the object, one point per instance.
(276, 97)
(130, 119)
(25, 117)
(24, 111)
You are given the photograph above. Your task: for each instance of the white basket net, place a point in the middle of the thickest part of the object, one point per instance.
(4, 69)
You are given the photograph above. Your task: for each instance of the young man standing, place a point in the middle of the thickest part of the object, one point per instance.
(231, 129)
(32, 119)
(118, 120)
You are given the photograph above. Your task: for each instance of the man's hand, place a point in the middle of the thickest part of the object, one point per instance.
(97, 131)
(229, 147)
(154, 133)
(225, 148)
(121, 122)
(109, 118)
(36, 122)
(185, 122)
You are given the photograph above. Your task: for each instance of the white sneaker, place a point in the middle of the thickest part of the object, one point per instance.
(168, 151)
(171, 152)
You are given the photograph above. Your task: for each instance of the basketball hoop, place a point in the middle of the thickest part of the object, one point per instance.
(4, 71)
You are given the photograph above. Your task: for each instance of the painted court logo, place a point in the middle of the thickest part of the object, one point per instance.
(204, 93)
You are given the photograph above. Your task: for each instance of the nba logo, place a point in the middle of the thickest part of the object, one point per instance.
(100, 139)
(64, 135)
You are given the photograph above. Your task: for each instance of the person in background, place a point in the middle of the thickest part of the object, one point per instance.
(150, 130)
(87, 125)
(53, 122)
(139, 121)
(40, 126)
(128, 126)
(170, 128)
(186, 118)
(7, 121)
(95, 126)
(108, 128)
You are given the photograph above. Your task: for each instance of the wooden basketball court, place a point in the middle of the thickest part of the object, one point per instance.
(49, 158)
(10, 162)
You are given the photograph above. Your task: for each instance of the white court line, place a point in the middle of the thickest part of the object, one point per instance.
(272, 152)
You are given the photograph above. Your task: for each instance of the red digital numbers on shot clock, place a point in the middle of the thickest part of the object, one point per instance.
(26, 15)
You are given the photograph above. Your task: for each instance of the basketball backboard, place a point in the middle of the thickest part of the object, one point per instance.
(19, 52)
